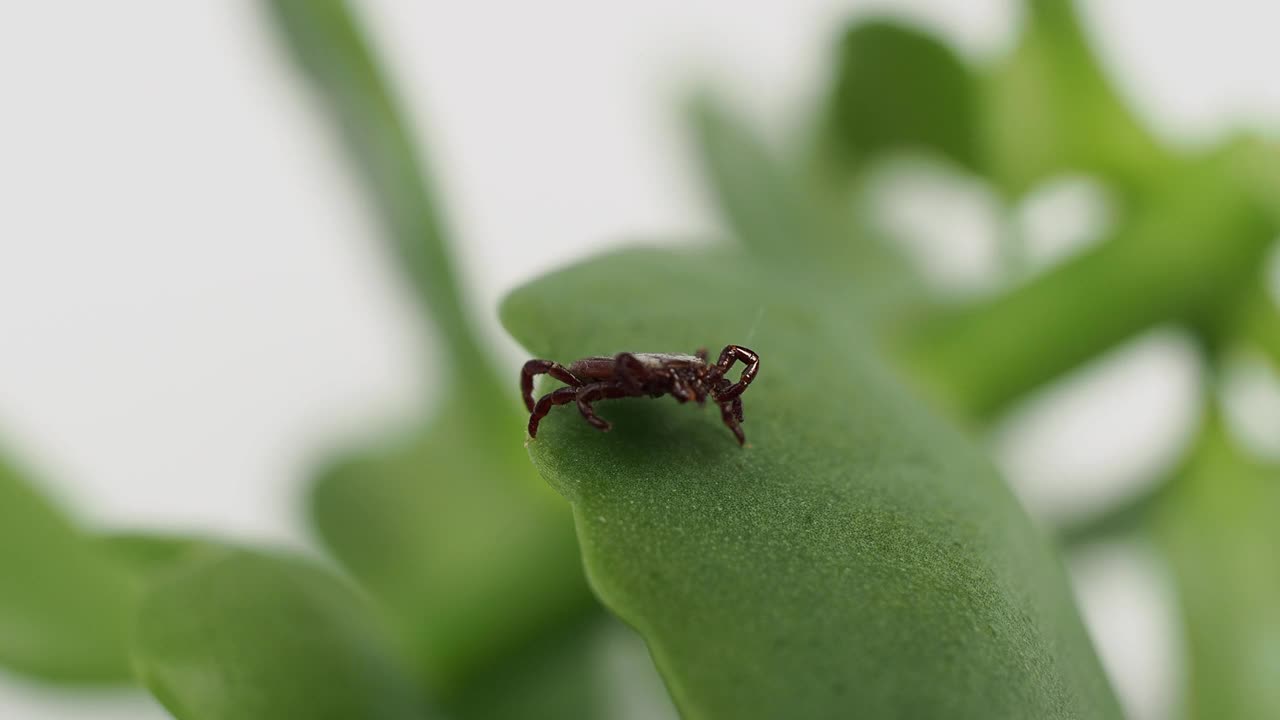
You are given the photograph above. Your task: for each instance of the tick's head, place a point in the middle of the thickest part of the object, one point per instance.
(709, 374)
(703, 380)
(717, 384)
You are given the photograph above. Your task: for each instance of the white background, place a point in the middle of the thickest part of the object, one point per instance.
(193, 303)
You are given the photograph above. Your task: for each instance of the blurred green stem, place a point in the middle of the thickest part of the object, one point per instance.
(1059, 19)
(329, 45)
(792, 222)
(1218, 532)
(1051, 109)
(1136, 515)
(1191, 246)
(470, 555)
(1122, 520)
(1261, 325)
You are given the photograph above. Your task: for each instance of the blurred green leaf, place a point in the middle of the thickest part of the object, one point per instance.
(1219, 529)
(596, 669)
(144, 556)
(1181, 255)
(550, 681)
(1262, 325)
(1122, 521)
(328, 44)
(857, 557)
(465, 549)
(64, 608)
(243, 635)
(899, 88)
(1049, 109)
(471, 558)
(1255, 161)
(780, 218)
(761, 203)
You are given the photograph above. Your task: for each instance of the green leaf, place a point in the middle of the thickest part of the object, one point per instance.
(144, 556)
(858, 557)
(64, 608)
(466, 551)
(1261, 323)
(1218, 529)
(235, 634)
(551, 680)
(776, 215)
(762, 204)
(898, 88)
(472, 556)
(328, 43)
(1255, 161)
(1049, 109)
(596, 669)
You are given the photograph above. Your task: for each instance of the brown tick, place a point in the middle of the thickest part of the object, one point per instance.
(684, 377)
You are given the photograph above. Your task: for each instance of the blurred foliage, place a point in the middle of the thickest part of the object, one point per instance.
(470, 555)
(237, 634)
(64, 610)
(1049, 108)
(773, 210)
(900, 88)
(1217, 525)
(860, 554)
(1175, 258)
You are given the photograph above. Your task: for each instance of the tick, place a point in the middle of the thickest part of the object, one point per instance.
(684, 377)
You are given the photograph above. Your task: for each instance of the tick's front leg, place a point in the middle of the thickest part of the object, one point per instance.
(728, 414)
(588, 395)
(562, 396)
(629, 371)
(748, 358)
(541, 367)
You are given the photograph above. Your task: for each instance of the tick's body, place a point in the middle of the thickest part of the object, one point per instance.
(658, 364)
(684, 377)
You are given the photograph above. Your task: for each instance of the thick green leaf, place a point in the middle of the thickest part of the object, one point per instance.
(857, 558)
(464, 548)
(899, 88)
(1218, 528)
(1049, 109)
(235, 634)
(64, 608)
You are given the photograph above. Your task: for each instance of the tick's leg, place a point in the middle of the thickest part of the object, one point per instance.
(629, 371)
(540, 367)
(748, 358)
(560, 396)
(681, 392)
(588, 395)
(737, 409)
(701, 354)
(731, 422)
